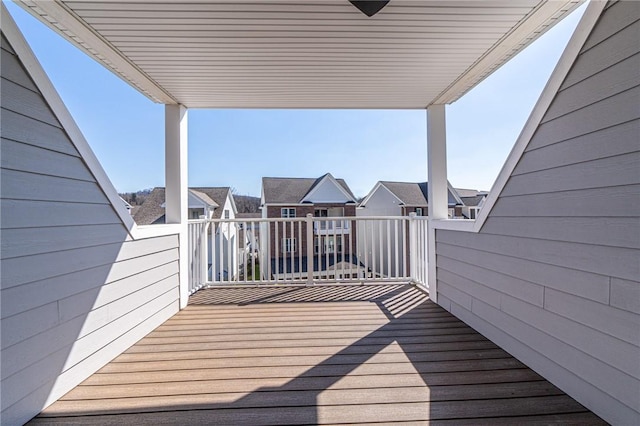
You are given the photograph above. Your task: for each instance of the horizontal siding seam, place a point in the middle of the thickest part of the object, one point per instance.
(612, 64)
(549, 359)
(492, 271)
(92, 266)
(476, 283)
(569, 190)
(44, 148)
(89, 334)
(600, 99)
(50, 384)
(94, 308)
(50, 175)
(540, 239)
(601, 157)
(56, 201)
(620, 29)
(572, 138)
(32, 118)
(608, 305)
(17, 83)
(120, 316)
(64, 226)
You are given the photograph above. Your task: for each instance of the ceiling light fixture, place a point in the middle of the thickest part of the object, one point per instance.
(369, 7)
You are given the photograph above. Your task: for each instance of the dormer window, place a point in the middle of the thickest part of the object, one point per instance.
(226, 214)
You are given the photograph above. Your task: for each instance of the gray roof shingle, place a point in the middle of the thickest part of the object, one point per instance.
(152, 211)
(413, 194)
(473, 201)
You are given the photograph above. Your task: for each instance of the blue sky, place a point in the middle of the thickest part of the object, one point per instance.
(237, 147)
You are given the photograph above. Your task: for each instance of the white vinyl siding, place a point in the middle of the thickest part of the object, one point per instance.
(553, 276)
(76, 291)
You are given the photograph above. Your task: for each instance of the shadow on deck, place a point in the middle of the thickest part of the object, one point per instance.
(315, 355)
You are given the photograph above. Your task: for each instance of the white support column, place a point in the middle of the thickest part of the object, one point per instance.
(437, 190)
(177, 191)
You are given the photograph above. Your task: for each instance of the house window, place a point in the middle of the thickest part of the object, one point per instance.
(288, 212)
(226, 214)
(328, 244)
(473, 213)
(288, 245)
(419, 211)
(329, 212)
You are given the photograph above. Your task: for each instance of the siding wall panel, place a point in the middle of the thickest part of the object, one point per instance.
(620, 16)
(76, 290)
(31, 241)
(19, 185)
(591, 118)
(597, 87)
(4, 44)
(618, 232)
(620, 201)
(26, 102)
(572, 383)
(21, 128)
(584, 148)
(568, 223)
(606, 52)
(625, 295)
(605, 172)
(12, 70)
(18, 156)
(573, 281)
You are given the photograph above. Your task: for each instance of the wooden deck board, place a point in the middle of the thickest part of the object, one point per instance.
(282, 355)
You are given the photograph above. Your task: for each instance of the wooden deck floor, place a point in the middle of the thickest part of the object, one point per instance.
(315, 355)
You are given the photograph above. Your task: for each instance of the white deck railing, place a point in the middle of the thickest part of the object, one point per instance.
(307, 250)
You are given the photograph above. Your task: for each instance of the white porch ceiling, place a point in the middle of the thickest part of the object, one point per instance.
(301, 53)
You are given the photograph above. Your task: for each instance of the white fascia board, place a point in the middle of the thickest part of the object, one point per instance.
(568, 58)
(363, 203)
(330, 177)
(59, 109)
(454, 193)
(233, 202)
(65, 22)
(401, 203)
(195, 201)
(230, 204)
(375, 189)
(532, 26)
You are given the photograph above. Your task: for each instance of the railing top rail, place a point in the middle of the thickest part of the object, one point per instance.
(303, 219)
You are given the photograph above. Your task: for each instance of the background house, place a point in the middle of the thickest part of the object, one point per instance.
(472, 200)
(380, 240)
(402, 198)
(323, 197)
(204, 203)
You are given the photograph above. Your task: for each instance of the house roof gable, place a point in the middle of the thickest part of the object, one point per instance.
(278, 190)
